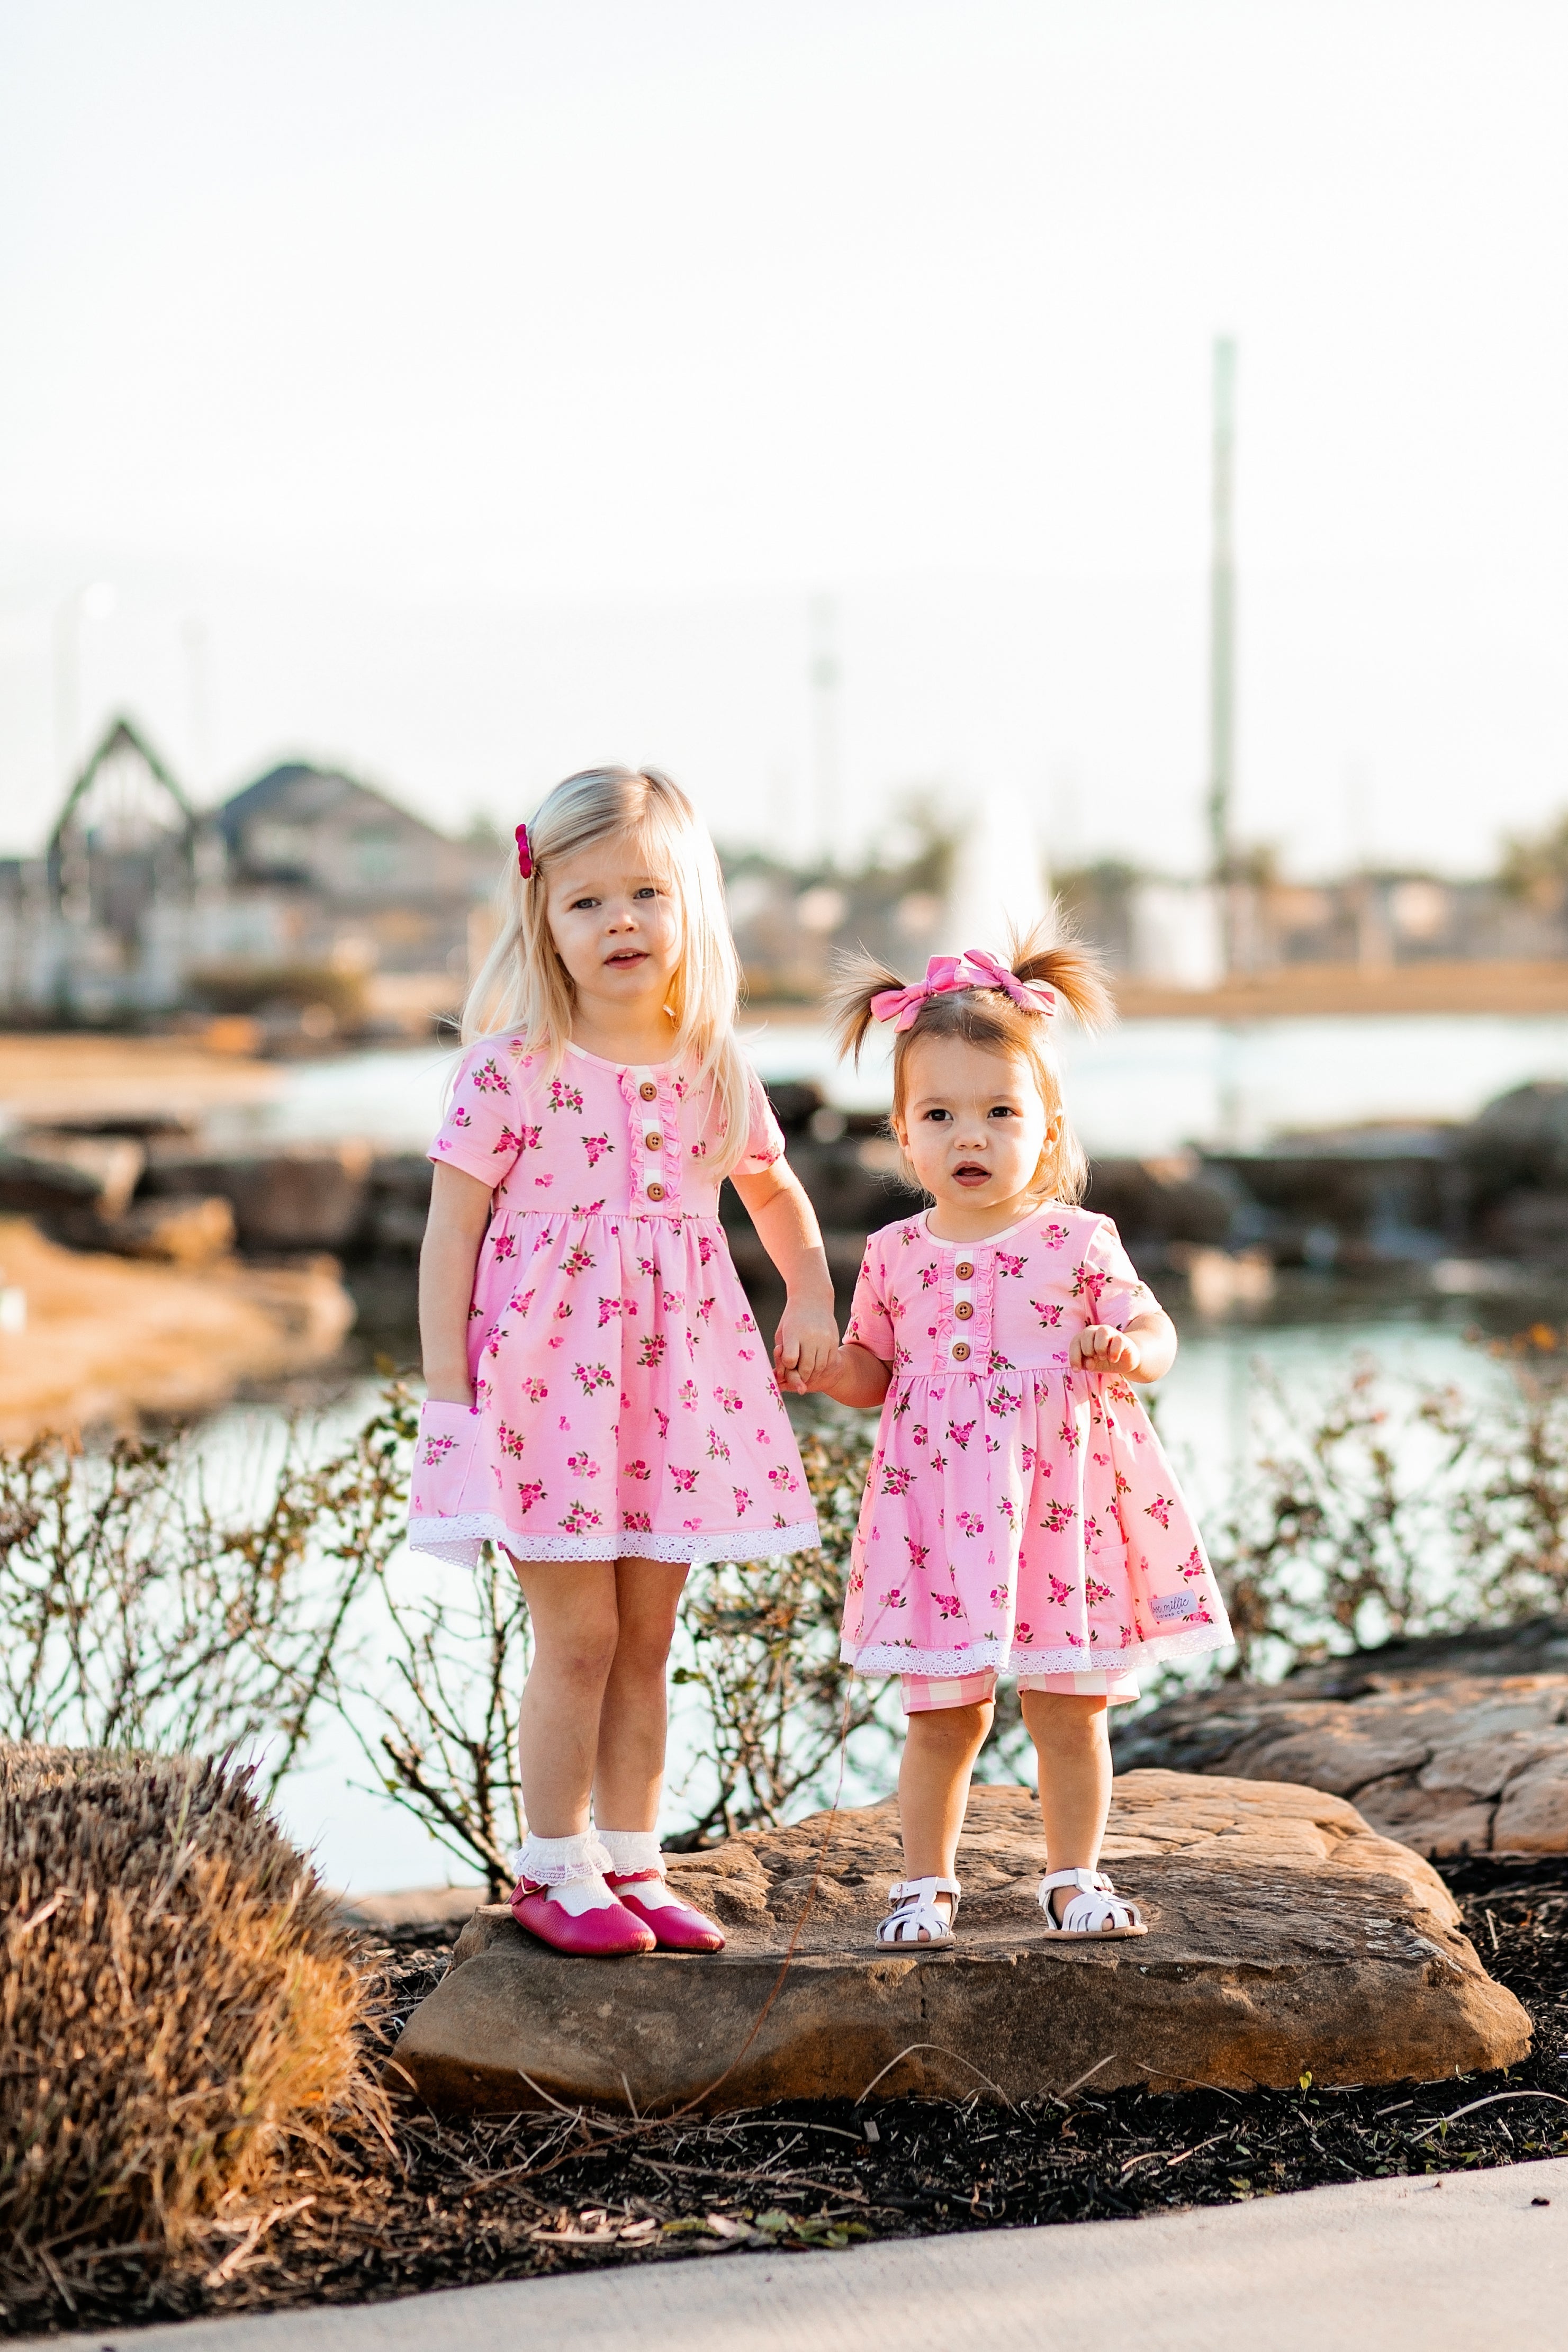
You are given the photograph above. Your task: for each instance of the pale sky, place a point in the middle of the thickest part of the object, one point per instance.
(469, 390)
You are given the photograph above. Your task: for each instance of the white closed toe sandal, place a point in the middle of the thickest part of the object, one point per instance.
(916, 1919)
(1096, 1913)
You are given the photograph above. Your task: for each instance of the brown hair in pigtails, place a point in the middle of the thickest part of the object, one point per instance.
(988, 1019)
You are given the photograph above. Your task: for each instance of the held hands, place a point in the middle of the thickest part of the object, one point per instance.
(1100, 1348)
(805, 1347)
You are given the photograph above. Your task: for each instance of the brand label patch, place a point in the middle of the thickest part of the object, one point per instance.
(1175, 1604)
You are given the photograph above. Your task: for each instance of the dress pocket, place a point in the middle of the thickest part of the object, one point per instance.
(443, 1449)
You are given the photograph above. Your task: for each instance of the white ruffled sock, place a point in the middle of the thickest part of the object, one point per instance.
(632, 1850)
(571, 1868)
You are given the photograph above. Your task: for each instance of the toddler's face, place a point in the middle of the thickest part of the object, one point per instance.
(616, 926)
(973, 1123)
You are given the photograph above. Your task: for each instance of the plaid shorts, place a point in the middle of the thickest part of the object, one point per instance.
(924, 1694)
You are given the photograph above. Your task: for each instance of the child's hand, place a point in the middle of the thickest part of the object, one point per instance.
(805, 1347)
(1100, 1348)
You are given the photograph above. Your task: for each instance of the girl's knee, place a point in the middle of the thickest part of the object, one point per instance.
(1064, 1720)
(582, 1653)
(959, 1729)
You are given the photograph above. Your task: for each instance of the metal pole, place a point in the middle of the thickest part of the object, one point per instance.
(1222, 614)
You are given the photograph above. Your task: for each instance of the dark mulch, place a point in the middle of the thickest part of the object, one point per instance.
(532, 2195)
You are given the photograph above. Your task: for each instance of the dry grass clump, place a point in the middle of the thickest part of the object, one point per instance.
(180, 2015)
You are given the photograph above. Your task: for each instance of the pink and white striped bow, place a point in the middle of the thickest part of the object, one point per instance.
(975, 967)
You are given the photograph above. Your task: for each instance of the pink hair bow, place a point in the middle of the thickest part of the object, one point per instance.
(975, 967)
(524, 855)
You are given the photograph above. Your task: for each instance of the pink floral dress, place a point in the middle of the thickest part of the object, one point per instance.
(625, 1406)
(1020, 1517)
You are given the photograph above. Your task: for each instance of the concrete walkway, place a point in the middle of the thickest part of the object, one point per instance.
(1388, 2265)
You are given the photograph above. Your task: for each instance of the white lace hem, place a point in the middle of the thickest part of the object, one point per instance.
(991, 1657)
(460, 1539)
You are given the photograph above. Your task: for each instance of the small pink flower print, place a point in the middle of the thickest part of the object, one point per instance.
(1049, 1314)
(563, 1422)
(762, 1437)
(686, 1392)
(908, 1234)
(528, 1492)
(460, 1118)
(1069, 1435)
(928, 1277)
(992, 1445)
(516, 1306)
(1123, 1486)
(784, 1479)
(511, 1441)
(672, 1302)
(717, 1449)
(731, 1399)
(638, 1470)
(1058, 1516)
(488, 1080)
(961, 1432)
(1194, 1563)
(510, 1143)
(1126, 1637)
(691, 1525)
(580, 1518)
(636, 1523)
(682, 1088)
(651, 1349)
(699, 1149)
(576, 1261)
(705, 1252)
(503, 1246)
(535, 1390)
(1009, 1264)
(1055, 1235)
(596, 1145)
(939, 1460)
(563, 1096)
(919, 1553)
(1023, 1632)
(1094, 1592)
(582, 1466)
(593, 1377)
(1160, 1508)
(892, 1598)
(685, 1480)
(1000, 1595)
(663, 1421)
(1008, 1510)
(705, 1309)
(610, 1307)
(1076, 1640)
(434, 1447)
(742, 1501)
(897, 1480)
(948, 1604)
(972, 1523)
(1027, 1459)
(646, 1266)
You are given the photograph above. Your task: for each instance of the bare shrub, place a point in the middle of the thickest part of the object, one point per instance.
(137, 1614)
(181, 2016)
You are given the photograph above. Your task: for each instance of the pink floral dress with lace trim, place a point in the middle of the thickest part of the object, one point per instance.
(1020, 1515)
(625, 1406)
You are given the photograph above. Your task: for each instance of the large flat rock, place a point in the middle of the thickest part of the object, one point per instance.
(1285, 1937)
(1440, 1746)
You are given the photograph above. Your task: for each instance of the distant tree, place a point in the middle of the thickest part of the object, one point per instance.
(1535, 865)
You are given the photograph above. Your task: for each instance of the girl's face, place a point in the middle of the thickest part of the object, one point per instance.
(616, 926)
(974, 1125)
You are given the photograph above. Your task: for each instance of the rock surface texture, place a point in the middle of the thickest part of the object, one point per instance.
(1453, 1746)
(1285, 1936)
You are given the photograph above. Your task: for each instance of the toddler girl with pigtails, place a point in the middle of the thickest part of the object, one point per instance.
(1020, 1517)
(600, 1403)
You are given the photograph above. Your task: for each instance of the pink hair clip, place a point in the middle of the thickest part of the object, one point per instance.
(524, 855)
(976, 968)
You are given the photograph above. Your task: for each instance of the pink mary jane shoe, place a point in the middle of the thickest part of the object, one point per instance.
(609, 1933)
(677, 1926)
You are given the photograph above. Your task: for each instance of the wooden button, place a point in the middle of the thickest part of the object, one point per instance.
(655, 1191)
(963, 1310)
(964, 1269)
(961, 1350)
(654, 1142)
(648, 1091)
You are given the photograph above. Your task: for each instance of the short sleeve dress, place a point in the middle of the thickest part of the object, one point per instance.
(625, 1405)
(1020, 1517)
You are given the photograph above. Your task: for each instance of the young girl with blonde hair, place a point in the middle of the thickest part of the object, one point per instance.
(600, 1401)
(1020, 1517)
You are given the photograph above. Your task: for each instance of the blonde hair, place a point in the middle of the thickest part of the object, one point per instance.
(523, 986)
(987, 1018)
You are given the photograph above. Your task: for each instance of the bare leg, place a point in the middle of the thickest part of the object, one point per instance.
(940, 1749)
(1073, 1747)
(574, 1623)
(628, 1778)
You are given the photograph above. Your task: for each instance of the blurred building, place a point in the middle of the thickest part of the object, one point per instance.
(307, 888)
